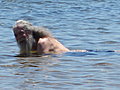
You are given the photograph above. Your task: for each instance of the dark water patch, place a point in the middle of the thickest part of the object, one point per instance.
(95, 59)
(19, 74)
(79, 54)
(99, 0)
(7, 1)
(109, 42)
(30, 65)
(103, 64)
(105, 32)
(102, 28)
(9, 66)
(87, 76)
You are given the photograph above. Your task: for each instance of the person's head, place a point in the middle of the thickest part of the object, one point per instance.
(28, 35)
(23, 34)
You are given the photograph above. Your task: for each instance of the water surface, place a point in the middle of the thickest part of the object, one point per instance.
(78, 24)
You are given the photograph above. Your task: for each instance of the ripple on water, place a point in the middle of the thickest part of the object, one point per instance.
(103, 64)
(80, 24)
(109, 42)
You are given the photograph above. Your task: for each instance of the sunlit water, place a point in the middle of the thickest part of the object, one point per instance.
(78, 24)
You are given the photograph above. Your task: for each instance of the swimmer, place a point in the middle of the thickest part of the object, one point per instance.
(38, 40)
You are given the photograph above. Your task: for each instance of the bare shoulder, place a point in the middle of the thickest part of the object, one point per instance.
(50, 45)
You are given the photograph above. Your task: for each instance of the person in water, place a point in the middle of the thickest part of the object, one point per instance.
(37, 40)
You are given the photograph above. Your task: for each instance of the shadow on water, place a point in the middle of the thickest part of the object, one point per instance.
(79, 54)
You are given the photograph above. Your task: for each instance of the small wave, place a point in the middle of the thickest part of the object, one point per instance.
(109, 42)
(103, 64)
(78, 54)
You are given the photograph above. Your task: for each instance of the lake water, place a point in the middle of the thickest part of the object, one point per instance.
(78, 24)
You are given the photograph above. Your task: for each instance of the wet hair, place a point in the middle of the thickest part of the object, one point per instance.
(40, 32)
(37, 32)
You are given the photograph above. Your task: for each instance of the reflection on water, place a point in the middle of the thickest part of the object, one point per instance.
(84, 24)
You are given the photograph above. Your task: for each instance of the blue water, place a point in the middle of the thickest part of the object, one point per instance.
(78, 24)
